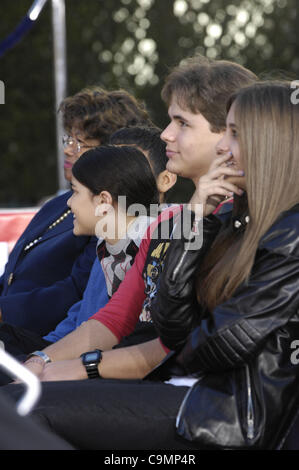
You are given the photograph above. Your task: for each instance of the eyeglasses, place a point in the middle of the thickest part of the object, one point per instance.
(69, 141)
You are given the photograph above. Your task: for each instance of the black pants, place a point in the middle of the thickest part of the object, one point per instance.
(19, 342)
(21, 433)
(292, 440)
(111, 414)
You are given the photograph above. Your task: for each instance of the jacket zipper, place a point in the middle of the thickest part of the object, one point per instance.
(178, 418)
(250, 415)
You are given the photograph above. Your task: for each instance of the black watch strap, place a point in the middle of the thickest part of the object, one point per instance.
(93, 372)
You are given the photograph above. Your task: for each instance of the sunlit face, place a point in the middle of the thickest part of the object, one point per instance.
(83, 206)
(230, 142)
(190, 143)
(72, 152)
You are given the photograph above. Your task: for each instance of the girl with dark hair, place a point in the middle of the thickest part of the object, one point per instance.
(106, 182)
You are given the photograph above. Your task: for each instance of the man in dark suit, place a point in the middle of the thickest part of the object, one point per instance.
(48, 269)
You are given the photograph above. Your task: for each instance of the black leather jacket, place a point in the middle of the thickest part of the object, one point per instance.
(252, 334)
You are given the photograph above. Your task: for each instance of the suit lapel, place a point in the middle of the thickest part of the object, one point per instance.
(61, 227)
(40, 223)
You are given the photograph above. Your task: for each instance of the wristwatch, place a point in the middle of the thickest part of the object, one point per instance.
(90, 360)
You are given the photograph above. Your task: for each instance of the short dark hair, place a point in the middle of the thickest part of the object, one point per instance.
(98, 113)
(203, 85)
(121, 170)
(146, 139)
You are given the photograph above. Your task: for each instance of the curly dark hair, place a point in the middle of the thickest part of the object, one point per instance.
(97, 113)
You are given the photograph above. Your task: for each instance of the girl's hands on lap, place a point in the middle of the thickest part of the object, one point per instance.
(71, 369)
(55, 371)
(34, 365)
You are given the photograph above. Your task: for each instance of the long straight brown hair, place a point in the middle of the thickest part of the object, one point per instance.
(268, 130)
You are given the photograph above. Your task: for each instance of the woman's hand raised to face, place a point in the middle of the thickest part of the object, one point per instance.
(220, 182)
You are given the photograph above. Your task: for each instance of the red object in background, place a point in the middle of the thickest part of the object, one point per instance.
(13, 223)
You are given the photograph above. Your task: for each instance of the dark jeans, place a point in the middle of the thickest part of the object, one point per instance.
(111, 414)
(21, 433)
(19, 342)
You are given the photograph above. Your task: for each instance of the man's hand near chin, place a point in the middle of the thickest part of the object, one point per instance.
(72, 369)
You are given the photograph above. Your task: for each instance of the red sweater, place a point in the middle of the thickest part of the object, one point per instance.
(121, 313)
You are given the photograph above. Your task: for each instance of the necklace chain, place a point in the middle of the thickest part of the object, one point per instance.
(56, 222)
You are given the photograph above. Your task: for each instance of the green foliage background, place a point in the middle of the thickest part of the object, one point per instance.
(122, 43)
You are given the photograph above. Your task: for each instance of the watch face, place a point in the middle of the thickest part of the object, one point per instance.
(91, 357)
(90, 360)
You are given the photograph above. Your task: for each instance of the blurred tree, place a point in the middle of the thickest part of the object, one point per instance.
(122, 43)
(27, 124)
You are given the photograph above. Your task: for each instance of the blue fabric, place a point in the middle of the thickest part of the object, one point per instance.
(22, 28)
(94, 298)
(52, 276)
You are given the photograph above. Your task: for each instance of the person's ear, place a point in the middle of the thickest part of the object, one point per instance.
(103, 203)
(103, 198)
(165, 181)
